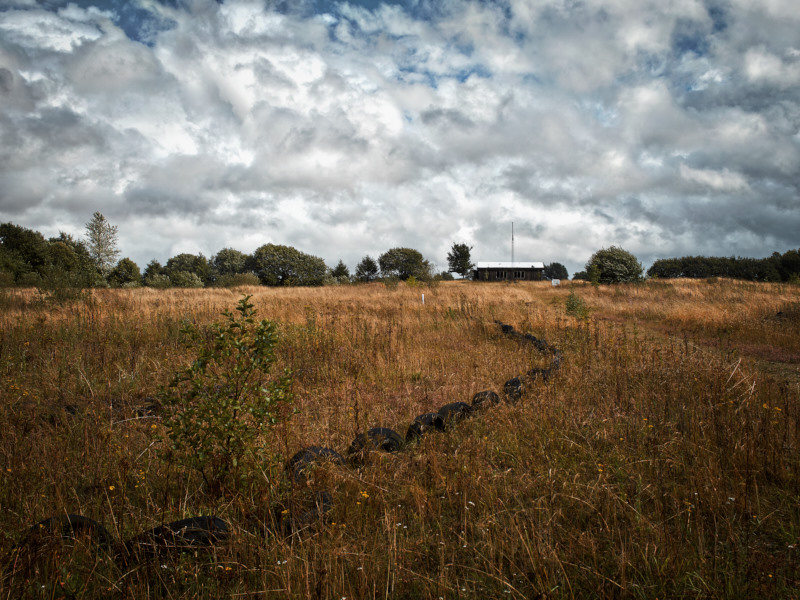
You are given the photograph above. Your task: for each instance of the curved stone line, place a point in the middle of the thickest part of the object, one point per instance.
(388, 440)
(207, 531)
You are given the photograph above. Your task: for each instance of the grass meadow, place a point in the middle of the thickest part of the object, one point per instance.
(662, 460)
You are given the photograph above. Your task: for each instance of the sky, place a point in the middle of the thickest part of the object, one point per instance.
(344, 129)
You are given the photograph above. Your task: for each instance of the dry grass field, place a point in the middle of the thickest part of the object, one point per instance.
(661, 461)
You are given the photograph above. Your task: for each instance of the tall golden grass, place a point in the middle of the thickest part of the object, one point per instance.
(662, 461)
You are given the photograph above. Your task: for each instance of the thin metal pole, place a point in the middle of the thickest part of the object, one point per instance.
(512, 246)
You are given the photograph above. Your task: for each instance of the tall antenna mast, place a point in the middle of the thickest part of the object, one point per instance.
(512, 244)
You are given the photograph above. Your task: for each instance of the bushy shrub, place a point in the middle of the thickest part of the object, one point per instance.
(614, 265)
(576, 306)
(216, 408)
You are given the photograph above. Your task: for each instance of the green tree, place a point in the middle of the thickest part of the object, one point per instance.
(62, 257)
(217, 407)
(402, 263)
(366, 270)
(614, 265)
(788, 264)
(185, 279)
(24, 254)
(555, 270)
(125, 274)
(666, 268)
(283, 265)
(180, 267)
(229, 261)
(154, 276)
(340, 271)
(459, 261)
(101, 240)
(86, 273)
(70, 270)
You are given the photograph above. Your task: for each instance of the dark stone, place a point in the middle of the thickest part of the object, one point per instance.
(540, 345)
(424, 423)
(485, 399)
(534, 374)
(505, 328)
(513, 390)
(66, 527)
(454, 412)
(309, 456)
(378, 438)
(183, 536)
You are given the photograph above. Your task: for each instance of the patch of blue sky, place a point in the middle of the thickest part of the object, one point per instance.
(411, 74)
(690, 36)
(531, 79)
(719, 16)
(138, 23)
(309, 8)
(477, 70)
(602, 113)
(143, 25)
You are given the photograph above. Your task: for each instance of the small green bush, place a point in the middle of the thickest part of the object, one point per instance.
(576, 306)
(218, 406)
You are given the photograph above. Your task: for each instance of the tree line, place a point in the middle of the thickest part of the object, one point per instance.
(27, 258)
(778, 267)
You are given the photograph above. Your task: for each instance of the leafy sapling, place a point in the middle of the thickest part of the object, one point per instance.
(216, 408)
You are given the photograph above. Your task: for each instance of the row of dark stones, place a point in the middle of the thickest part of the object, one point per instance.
(207, 531)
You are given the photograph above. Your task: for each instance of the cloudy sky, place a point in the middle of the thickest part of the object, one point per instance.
(667, 127)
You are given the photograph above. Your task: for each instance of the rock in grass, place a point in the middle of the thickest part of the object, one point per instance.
(378, 438)
(179, 536)
(66, 527)
(423, 424)
(535, 374)
(540, 345)
(513, 390)
(49, 543)
(308, 456)
(454, 412)
(484, 399)
(505, 328)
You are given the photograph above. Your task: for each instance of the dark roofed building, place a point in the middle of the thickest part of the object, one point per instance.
(508, 271)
